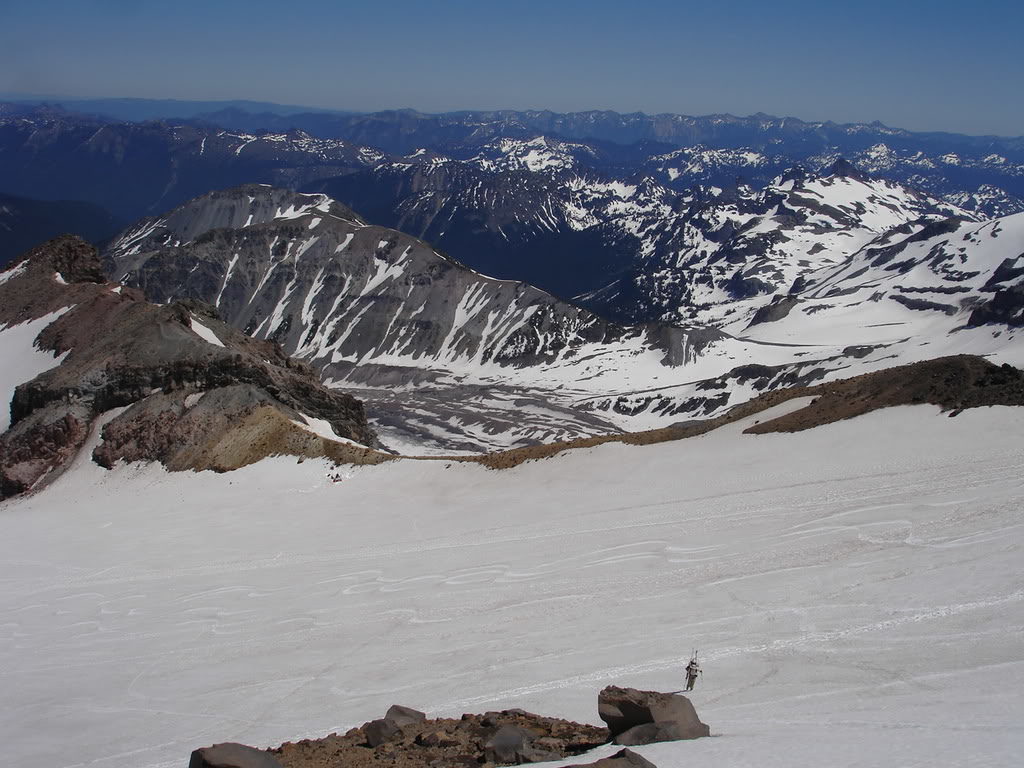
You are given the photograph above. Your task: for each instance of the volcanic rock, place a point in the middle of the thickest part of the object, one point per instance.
(381, 731)
(400, 715)
(193, 392)
(231, 755)
(625, 708)
(649, 733)
(624, 758)
(506, 737)
(514, 745)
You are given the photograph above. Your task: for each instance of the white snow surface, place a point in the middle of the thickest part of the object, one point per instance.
(22, 360)
(855, 591)
(13, 271)
(204, 332)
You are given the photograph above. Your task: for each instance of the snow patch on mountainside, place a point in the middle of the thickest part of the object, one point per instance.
(21, 360)
(204, 332)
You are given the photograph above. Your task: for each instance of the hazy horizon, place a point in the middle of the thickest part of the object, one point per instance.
(922, 66)
(60, 100)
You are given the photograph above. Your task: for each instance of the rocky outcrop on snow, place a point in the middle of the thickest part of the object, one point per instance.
(644, 717)
(404, 739)
(951, 383)
(624, 758)
(231, 755)
(177, 385)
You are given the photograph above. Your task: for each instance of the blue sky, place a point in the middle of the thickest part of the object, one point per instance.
(938, 65)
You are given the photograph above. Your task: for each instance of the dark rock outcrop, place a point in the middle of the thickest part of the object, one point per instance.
(389, 727)
(400, 715)
(952, 383)
(514, 745)
(381, 731)
(1006, 307)
(624, 709)
(649, 733)
(231, 755)
(508, 737)
(624, 758)
(197, 394)
(776, 309)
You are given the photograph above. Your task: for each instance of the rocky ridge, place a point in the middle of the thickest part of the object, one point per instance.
(951, 383)
(177, 385)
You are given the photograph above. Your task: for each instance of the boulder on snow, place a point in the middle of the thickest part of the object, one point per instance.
(230, 755)
(624, 758)
(625, 708)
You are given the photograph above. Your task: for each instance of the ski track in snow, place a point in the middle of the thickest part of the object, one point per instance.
(839, 583)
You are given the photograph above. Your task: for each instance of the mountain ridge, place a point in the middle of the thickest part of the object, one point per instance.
(156, 383)
(355, 301)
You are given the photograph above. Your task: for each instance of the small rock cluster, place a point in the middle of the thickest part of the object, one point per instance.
(406, 738)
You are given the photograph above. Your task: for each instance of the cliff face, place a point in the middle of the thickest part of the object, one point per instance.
(190, 391)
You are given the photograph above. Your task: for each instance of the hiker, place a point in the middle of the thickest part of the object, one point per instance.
(692, 671)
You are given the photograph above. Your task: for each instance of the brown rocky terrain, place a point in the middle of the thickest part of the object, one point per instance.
(952, 383)
(187, 401)
(406, 738)
(507, 737)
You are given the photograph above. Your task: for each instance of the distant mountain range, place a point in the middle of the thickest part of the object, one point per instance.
(156, 109)
(488, 280)
(570, 203)
(817, 277)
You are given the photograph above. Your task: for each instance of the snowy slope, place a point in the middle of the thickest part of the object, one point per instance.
(855, 593)
(921, 285)
(732, 250)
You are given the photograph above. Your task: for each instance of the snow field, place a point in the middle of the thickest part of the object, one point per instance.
(855, 592)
